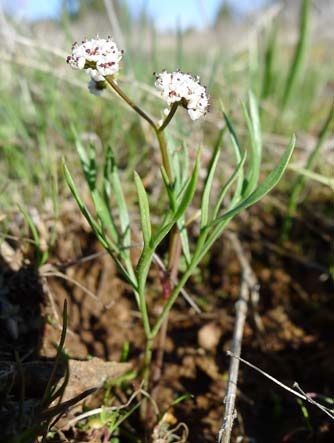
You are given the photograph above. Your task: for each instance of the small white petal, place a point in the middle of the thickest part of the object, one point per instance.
(179, 87)
(94, 75)
(194, 114)
(100, 55)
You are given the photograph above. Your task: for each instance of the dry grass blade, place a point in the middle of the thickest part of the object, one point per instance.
(298, 392)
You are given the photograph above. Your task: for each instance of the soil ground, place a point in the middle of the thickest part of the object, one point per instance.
(289, 333)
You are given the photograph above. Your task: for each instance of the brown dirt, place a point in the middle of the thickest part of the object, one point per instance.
(295, 308)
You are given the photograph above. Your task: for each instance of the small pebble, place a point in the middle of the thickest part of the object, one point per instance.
(209, 336)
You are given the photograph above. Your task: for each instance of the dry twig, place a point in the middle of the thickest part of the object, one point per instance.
(249, 289)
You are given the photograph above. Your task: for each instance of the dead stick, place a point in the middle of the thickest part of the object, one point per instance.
(248, 285)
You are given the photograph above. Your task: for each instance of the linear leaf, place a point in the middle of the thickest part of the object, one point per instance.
(187, 196)
(254, 128)
(40, 255)
(300, 52)
(184, 239)
(228, 184)
(169, 188)
(266, 186)
(220, 223)
(208, 186)
(83, 208)
(238, 153)
(120, 200)
(144, 210)
(190, 190)
(97, 229)
(102, 208)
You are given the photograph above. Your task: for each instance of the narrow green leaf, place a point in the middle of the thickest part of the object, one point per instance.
(190, 190)
(104, 215)
(184, 239)
(41, 256)
(84, 210)
(236, 173)
(266, 186)
(107, 181)
(187, 196)
(120, 200)
(111, 177)
(299, 183)
(101, 205)
(306, 173)
(300, 52)
(254, 129)
(208, 186)
(221, 222)
(31, 225)
(269, 58)
(238, 154)
(161, 233)
(232, 132)
(170, 191)
(185, 163)
(87, 163)
(55, 202)
(96, 228)
(144, 210)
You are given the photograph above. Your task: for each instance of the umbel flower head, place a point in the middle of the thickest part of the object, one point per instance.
(184, 88)
(98, 57)
(101, 55)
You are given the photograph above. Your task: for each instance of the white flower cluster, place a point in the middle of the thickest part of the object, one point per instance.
(184, 88)
(101, 55)
(98, 57)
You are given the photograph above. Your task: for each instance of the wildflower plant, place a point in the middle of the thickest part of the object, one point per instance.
(100, 58)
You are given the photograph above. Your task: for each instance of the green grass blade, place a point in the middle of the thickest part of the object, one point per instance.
(41, 256)
(269, 59)
(300, 52)
(307, 174)
(299, 183)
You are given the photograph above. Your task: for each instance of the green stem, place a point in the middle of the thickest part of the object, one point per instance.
(169, 116)
(142, 272)
(147, 363)
(171, 301)
(164, 154)
(158, 131)
(144, 406)
(127, 99)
